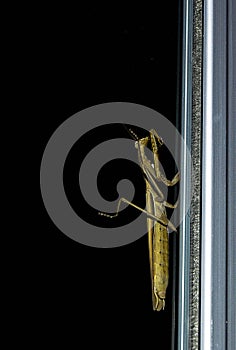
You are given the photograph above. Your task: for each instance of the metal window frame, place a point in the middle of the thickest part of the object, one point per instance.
(214, 322)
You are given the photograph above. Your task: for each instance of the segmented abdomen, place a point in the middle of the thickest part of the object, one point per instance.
(160, 259)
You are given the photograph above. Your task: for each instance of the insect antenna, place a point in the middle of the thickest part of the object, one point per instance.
(134, 136)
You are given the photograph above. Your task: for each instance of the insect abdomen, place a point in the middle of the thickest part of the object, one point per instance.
(160, 263)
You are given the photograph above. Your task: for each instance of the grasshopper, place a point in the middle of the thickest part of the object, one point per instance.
(157, 221)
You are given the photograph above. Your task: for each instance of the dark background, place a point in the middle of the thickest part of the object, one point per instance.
(87, 56)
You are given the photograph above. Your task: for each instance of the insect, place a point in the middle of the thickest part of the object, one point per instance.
(157, 221)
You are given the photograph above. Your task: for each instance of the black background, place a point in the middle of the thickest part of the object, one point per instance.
(86, 56)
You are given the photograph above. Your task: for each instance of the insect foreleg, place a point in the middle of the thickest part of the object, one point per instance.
(155, 146)
(172, 182)
(169, 205)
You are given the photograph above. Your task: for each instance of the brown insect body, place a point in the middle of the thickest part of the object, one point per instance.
(158, 237)
(157, 221)
(158, 243)
(160, 265)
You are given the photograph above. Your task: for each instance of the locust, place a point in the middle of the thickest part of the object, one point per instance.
(158, 225)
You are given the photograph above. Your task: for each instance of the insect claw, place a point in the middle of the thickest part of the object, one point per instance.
(171, 226)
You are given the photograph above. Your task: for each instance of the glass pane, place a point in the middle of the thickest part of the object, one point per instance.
(97, 55)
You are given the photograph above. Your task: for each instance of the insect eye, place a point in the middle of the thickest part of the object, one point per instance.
(141, 141)
(145, 141)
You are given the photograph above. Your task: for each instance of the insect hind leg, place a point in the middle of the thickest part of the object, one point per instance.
(117, 209)
(150, 215)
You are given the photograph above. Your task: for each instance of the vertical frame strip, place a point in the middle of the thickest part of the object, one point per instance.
(196, 158)
(188, 337)
(214, 179)
(231, 179)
